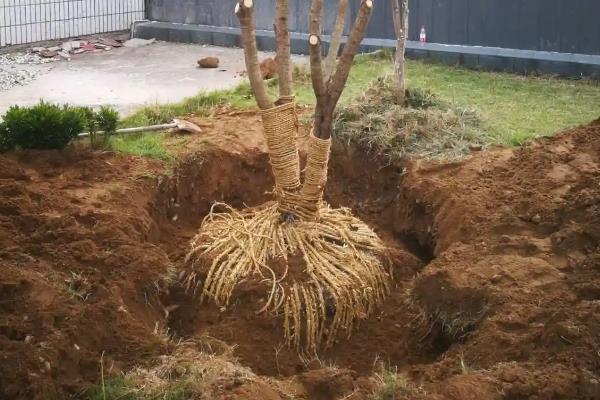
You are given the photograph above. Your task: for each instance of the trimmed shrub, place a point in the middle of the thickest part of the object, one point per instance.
(107, 119)
(43, 126)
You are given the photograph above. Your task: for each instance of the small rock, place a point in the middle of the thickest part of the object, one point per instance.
(70, 46)
(65, 55)
(475, 147)
(38, 49)
(49, 53)
(536, 219)
(208, 62)
(28, 339)
(268, 68)
(496, 278)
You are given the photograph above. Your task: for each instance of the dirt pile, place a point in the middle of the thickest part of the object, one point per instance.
(497, 270)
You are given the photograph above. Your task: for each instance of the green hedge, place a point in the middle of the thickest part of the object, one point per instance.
(48, 126)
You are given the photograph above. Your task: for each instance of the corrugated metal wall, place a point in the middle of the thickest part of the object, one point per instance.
(28, 21)
(568, 26)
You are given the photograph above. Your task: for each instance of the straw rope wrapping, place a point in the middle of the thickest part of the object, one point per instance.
(281, 128)
(344, 276)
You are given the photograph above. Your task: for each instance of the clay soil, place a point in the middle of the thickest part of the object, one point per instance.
(497, 269)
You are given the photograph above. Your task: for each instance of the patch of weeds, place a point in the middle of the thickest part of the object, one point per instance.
(79, 286)
(392, 385)
(426, 127)
(144, 145)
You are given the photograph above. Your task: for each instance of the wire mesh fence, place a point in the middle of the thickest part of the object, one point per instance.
(29, 21)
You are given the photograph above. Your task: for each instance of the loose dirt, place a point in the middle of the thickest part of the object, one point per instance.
(497, 281)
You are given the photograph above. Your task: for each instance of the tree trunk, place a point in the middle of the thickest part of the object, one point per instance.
(400, 14)
(336, 40)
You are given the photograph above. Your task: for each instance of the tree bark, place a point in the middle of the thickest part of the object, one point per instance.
(244, 10)
(282, 35)
(400, 14)
(336, 39)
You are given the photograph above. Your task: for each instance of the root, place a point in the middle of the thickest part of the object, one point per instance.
(344, 277)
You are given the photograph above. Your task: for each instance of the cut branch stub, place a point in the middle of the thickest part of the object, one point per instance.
(245, 13)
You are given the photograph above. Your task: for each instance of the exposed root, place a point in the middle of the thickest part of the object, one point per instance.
(343, 280)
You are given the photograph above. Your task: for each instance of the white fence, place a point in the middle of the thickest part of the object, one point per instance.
(28, 21)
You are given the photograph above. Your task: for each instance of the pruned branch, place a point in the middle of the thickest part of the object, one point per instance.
(316, 62)
(357, 34)
(245, 12)
(336, 39)
(282, 37)
(396, 13)
(400, 14)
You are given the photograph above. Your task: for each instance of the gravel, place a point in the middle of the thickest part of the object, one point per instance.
(23, 59)
(14, 71)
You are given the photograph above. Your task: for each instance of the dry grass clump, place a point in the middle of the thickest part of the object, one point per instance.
(193, 370)
(425, 127)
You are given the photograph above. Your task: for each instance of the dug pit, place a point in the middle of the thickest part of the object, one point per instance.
(370, 191)
(496, 267)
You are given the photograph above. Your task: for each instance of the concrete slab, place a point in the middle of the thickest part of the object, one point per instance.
(128, 78)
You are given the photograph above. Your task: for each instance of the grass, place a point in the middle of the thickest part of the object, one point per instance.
(515, 108)
(141, 144)
(512, 108)
(391, 384)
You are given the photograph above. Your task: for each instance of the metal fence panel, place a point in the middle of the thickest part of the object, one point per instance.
(569, 26)
(28, 21)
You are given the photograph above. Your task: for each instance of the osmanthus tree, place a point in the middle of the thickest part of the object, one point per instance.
(322, 269)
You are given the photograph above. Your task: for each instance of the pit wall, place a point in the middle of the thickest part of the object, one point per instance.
(550, 36)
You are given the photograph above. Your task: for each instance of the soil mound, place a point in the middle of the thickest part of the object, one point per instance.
(497, 270)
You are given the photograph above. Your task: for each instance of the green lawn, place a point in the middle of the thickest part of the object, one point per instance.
(514, 108)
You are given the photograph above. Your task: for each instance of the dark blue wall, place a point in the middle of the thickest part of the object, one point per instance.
(570, 26)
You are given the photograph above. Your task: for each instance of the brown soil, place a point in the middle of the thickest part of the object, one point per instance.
(497, 281)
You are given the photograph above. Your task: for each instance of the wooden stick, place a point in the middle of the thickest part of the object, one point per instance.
(245, 12)
(336, 39)
(282, 37)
